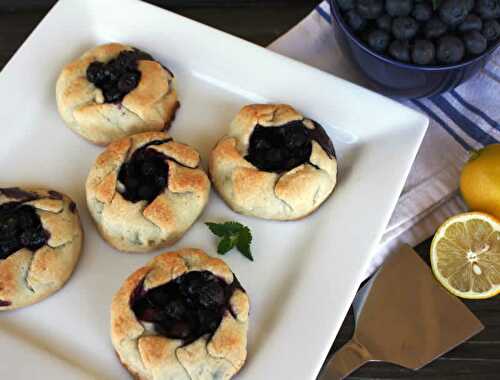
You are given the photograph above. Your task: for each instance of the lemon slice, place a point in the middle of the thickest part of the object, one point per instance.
(465, 255)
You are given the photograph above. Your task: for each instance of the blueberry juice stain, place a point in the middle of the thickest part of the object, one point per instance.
(186, 308)
(20, 227)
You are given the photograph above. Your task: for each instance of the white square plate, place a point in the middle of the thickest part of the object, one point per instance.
(305, 273)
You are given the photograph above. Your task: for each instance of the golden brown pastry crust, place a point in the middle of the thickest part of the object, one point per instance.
(151, 106)
(142, 227)
(279, 196)
(148, 356)
(28, 277)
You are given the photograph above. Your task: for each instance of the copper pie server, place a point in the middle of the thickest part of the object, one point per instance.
(404, 317)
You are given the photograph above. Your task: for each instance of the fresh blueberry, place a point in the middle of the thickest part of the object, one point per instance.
(384, 22)
(470, 4)
(422, 12)
(453, 12)
(434, 28)
(364, 34)
(488, 9)
(399, 8)
(404, 28)
(423, 52)
(471, 22)
(450, 50)
(475, 42)
(491, 30)
(355, 21)
(370, 9)
(379, 40)
(346, 5)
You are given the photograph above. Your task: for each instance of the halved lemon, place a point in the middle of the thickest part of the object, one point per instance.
(465, 255)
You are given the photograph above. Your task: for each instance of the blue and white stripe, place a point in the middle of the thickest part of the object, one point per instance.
(470, 113)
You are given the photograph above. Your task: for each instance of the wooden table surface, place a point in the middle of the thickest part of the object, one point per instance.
(261, 22)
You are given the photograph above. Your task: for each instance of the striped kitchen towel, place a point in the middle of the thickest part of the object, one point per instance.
(462, 120)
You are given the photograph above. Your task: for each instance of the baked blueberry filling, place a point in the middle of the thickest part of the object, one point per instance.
(282, 148)
(186, 308)
(119, 76)
(20, 227)
(145, 175)
(55, 195)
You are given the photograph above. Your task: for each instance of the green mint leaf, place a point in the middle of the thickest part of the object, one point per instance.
(244, 241)
(225, 245)
(217, 229)
(233, 227)
(233, 234)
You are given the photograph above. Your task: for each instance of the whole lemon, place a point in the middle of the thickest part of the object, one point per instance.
(480, 181)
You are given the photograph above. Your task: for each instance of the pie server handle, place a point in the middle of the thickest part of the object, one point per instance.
(345, 361)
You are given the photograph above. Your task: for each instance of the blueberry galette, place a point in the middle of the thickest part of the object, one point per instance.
(183, 316)
(114, 91)
(144, 191)
(40, 243)
(274, 163)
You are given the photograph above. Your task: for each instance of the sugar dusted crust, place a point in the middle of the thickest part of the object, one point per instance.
(142, 227)
(151, 106)
(28, 277)
(246, 189)
(154, 357)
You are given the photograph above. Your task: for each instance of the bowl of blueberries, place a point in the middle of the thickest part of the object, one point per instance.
(417, 48)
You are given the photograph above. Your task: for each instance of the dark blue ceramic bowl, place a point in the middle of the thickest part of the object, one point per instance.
(402, 80)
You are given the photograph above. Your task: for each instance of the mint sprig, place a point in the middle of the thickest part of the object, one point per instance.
(233, 234)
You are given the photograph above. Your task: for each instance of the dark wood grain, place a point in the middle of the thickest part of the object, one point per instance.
(261, 21)
(19, 5)
(247, 19)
